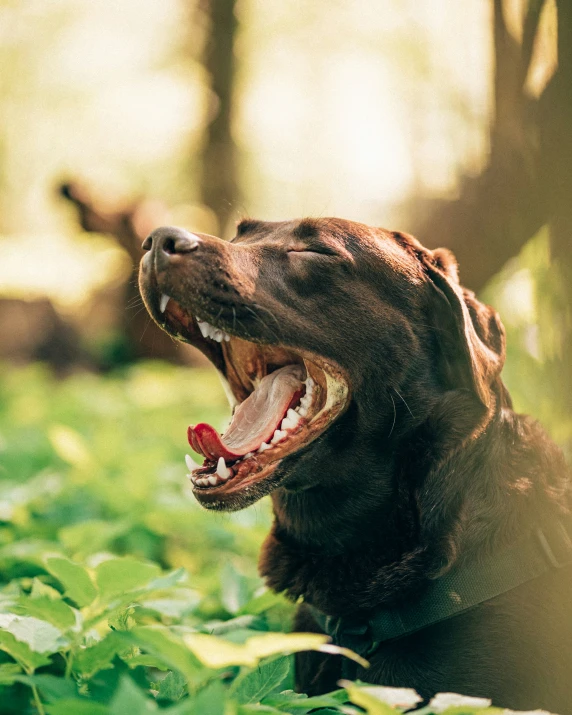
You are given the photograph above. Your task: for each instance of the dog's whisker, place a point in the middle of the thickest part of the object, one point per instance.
(404, 402)
(394, 415)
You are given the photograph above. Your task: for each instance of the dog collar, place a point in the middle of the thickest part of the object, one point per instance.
(459, 590)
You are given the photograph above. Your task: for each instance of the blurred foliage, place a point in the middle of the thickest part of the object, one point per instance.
(118, 594)
(529, 295)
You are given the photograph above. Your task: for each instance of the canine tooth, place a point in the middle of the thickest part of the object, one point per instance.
(310, 383)
(212, 481)
(204, 328)
(221, 469)
(190, 462)
(163, 303)
(263, 447)
(278, 435)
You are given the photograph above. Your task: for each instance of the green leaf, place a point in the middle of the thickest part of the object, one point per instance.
(42, 590)
(76, 706)
(9, 673)
(75, 579)
(298, 704)
(172, 687)
(263, 602)
(21, 652)
(130, 699)
(51, 687)
(57, 613)
(253, 686)
(89, 661)
(217, 652)
(149, 661)
(160, 642)
(118, 575)
(38, 635)
(210, 700)
(234, 588)
(366, 700)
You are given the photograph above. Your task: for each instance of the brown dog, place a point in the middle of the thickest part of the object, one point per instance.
(405, 489)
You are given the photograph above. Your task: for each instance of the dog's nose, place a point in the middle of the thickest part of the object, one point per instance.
(171, 241)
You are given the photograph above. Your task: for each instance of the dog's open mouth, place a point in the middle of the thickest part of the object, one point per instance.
(283, 399)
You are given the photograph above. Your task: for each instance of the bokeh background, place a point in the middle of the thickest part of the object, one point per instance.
(450, 120)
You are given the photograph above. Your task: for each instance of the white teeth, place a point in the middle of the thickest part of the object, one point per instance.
(191, 464)
(302, 411)
(212, 481)
(278, 435)
(163, 303)
(222, 470)
(209, 331)
(248, 455)
(204, 328)
(310, 384)
(203, 482)
(291, 420)
(263, 447)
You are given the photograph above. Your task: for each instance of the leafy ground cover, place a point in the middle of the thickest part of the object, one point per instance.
(118, 594)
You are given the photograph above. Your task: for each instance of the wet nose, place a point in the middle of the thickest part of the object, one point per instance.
(171, 241)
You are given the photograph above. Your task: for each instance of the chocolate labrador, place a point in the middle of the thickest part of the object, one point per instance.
(418, 518)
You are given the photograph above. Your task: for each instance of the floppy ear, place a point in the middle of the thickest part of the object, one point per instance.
(471, 334)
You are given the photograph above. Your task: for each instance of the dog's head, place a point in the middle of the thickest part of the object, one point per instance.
(335, 339)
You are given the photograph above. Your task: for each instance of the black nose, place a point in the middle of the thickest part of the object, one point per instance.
(171, 240)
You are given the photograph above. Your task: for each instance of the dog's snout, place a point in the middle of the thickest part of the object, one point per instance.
(171, 241)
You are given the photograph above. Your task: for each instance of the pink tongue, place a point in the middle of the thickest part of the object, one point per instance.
(254, 421)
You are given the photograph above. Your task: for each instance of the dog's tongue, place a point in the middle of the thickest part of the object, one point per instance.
(254, 421)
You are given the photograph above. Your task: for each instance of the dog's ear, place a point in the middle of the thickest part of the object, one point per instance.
(470, 334)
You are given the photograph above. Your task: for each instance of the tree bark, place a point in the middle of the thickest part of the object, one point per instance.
(496, 212)
(219, 184)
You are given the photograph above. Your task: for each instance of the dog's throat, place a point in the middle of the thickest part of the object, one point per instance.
(255, 420)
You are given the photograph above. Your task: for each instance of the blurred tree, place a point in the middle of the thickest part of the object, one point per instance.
(527, 183)
(128, 226)
(218, 181)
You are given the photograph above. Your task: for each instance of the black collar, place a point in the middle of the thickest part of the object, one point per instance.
(462, 588)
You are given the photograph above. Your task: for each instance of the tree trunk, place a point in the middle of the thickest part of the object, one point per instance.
(219, 176)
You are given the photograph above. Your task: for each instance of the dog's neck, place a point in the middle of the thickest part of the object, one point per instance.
(361, 548)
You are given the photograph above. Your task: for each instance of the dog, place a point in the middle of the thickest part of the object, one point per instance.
(417, 517)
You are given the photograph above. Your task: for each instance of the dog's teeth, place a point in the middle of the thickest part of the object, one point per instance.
(213, 481)
(163, 303)
(202, 482)
(310, 383)
(278, 435)
(302, 412)
(293, 416)
(221, 469)
(263, 447)
(204, 328)
(227, 337)
(248, 455)
(191, 464)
